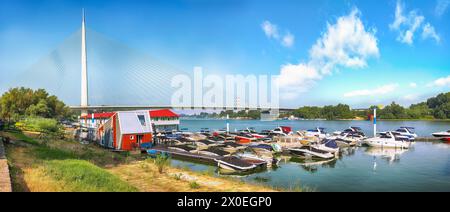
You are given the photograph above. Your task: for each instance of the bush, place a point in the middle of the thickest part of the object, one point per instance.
(162, 161)
(194, 185)
(43, 125)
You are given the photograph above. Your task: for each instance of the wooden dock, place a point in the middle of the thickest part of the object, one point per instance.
(427, 139)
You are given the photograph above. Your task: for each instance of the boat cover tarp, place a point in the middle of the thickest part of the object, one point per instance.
(331, 144)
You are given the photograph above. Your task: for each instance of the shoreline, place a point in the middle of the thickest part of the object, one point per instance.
(49, 166)
(232, 119)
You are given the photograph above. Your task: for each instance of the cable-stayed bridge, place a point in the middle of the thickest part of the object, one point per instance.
(113, 76)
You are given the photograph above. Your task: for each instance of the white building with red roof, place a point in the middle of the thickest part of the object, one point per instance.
(94, 120)
(164, 120)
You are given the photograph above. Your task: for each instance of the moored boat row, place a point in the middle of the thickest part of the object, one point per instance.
(249, 150)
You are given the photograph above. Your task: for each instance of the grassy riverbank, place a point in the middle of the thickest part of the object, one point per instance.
(62, 165)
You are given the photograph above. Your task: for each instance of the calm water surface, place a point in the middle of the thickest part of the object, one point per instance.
(425, 167)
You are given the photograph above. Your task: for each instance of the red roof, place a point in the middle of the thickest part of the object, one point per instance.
(165, 113)
(99, 115)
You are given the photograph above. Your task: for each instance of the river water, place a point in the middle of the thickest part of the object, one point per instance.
(425, 167)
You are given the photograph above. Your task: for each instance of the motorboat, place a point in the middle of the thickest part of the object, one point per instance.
(317, 132)
(351, 130)
(205, 143)
(243, 138)
(328, 145)
(443, 134)
(348, 138)
(273, 147)
(252, 132)
(234, 163)
(407, 131)
(282, 130)
(232, 147)
(269, 160)
(311, 152)
(214, 151)
(183, 148)
(389, 140)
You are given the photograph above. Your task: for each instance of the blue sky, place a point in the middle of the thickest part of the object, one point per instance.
(355, 52)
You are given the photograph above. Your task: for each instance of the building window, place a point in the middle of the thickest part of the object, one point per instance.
(141, 119)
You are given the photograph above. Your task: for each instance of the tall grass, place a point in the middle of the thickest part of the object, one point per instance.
(78, 175)
(162, 161)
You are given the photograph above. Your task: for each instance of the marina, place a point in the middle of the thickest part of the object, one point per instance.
(423, 166)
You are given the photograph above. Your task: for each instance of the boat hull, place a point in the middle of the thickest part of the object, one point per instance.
(310, 154)
(387, 144)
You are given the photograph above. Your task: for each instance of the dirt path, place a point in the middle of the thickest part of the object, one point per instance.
(145, 176)
(5, 180)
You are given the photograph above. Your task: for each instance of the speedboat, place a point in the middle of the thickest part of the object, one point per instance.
(252, 132)
(282, 131)
(443, 134)
(243, 138)
(328, 145)
(231, 147)
(205, 143)
(214, 151)
(233, 163)
(318, 132)
(269, 148)
(351, 130)
(268, 158)
(312, 152)
(407, 131)
(389, 140)
(183, 148)
(348, 138)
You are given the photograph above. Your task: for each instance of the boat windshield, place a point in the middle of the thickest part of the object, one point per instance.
(410, 129)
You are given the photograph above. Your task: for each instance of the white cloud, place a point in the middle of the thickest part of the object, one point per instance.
(412, 85)
(441, 7)
(441, 82)
(295, 79)
(429, 32)
(408, 25)
(288, 40)
(346, 43)
(271, 31)
(385, 89)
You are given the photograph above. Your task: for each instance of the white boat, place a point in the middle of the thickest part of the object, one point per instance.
(328, 145)
(346, 139)
(356, 131)
(253, 133)
(308, 151)
(388, 140)
(407, 131)
(282, 131)
(268, 158)
(443, 134)
(233, 163)
(318, 132)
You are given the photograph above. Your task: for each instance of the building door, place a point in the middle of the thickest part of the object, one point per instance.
(139, 139)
